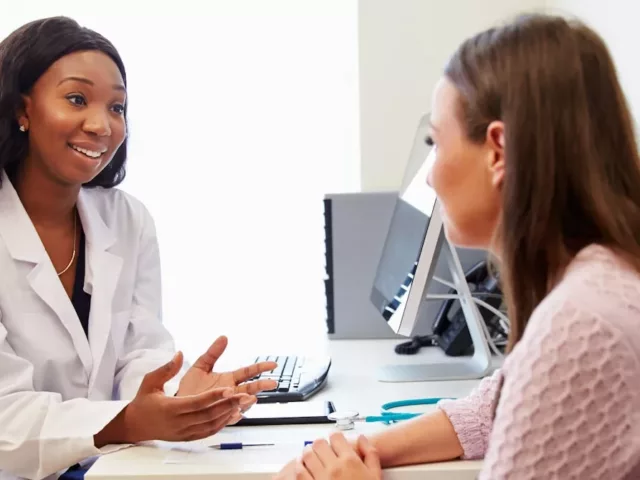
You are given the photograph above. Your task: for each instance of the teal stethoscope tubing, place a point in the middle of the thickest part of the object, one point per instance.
(387, 416)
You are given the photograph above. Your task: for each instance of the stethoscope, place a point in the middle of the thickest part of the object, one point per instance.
(346, 420)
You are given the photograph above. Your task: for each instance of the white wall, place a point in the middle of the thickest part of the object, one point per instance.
(403, 47)
(617, 22)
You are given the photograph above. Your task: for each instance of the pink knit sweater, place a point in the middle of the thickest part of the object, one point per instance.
(569, 406)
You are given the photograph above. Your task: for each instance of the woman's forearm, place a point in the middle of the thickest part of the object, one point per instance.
(425, 439)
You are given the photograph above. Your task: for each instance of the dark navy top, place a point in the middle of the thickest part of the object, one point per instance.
(80, 299)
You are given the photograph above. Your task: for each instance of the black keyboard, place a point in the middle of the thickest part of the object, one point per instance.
(298, 378)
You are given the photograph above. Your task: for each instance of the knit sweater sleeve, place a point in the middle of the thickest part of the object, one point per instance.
(566, 407)
(472, 416)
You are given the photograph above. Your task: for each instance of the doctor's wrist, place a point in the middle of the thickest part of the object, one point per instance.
(115, 432)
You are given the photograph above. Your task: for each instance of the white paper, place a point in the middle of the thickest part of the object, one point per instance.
(288, 444)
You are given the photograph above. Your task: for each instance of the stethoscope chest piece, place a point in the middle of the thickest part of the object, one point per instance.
(344, 420)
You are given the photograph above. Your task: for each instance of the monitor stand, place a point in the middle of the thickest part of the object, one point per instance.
(455, 368)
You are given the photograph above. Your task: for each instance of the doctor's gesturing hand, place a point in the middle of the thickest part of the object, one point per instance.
(152, 415)
(200, 377)
(205, 403)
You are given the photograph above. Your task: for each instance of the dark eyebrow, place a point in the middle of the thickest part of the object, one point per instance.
(89, 82)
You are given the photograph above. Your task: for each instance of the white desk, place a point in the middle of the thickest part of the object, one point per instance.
(352, 386)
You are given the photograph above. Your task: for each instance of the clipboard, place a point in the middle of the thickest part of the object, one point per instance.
(292, 413)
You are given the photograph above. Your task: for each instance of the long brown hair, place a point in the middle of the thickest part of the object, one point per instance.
(572, 172)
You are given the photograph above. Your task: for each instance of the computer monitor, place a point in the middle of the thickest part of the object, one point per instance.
(414, 243)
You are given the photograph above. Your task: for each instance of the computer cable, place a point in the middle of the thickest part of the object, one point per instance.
(482, 303)
(415, 344)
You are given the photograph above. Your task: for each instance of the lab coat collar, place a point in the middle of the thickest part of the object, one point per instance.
(102, 271)
(24, 244)
(96, 232)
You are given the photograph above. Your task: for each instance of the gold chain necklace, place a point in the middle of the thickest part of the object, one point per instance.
(73, 256)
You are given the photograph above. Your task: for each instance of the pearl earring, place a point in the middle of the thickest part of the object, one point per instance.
(23, 128)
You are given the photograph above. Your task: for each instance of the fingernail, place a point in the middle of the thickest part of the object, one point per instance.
(227, 393)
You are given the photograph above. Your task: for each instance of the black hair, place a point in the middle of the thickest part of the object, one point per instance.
(25, 55)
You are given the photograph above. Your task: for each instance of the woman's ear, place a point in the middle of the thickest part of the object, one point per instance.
(22, 115)
(496, 144)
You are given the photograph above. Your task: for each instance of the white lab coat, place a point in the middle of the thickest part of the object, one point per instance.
(58, 389)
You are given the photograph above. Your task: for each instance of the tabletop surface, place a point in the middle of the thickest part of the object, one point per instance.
(352, 385)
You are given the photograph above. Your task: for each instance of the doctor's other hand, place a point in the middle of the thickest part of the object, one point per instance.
(335, 460)
(152, 415)
(201, 377)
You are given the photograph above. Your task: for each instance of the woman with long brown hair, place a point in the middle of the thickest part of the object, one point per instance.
(537, 162)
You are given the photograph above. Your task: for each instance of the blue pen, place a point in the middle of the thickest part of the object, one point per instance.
(240, 445)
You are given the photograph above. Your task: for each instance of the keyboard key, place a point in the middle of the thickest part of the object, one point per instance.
(284, 387)
(289, 368)
(281, 364)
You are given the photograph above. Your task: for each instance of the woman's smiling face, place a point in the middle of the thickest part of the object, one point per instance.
(74, 117)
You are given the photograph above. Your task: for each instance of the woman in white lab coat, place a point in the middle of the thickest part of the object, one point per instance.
(85, 363)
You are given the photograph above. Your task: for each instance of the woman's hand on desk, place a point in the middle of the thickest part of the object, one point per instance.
(200, 377)
(425, 439)
(152, 415)
(335, 460)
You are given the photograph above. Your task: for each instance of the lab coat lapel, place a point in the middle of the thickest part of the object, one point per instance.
(24, 245)
(102, 273)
